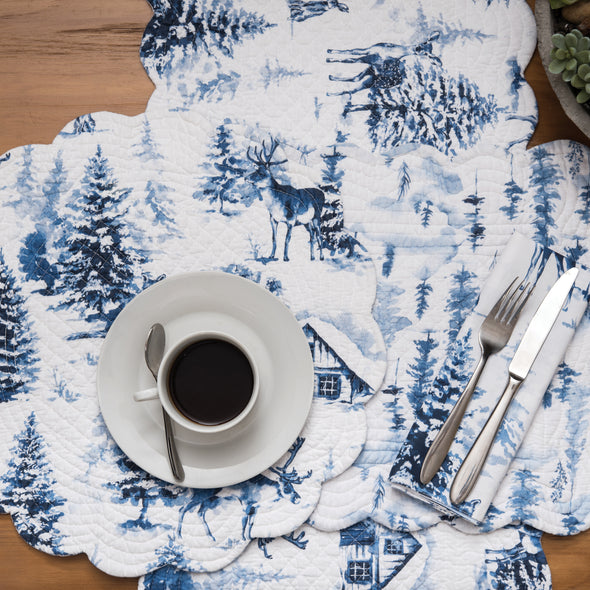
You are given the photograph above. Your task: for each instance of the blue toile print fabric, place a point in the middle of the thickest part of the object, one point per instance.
(366, 163)
(528, 261)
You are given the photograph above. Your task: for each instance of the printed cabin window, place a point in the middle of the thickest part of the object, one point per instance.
(329, 386)
(359, 572)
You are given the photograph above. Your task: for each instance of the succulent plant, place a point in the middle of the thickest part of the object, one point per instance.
(568, 53)
(561, 3)
(581, 80)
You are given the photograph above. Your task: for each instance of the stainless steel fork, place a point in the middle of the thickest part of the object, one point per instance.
(493, 336)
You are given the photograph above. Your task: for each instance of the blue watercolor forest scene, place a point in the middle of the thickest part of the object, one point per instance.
(364, 164)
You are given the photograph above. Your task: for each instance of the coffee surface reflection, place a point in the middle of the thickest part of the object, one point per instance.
(211, 381)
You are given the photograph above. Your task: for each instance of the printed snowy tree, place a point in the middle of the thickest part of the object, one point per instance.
(139, 489)
(513, 194)
(584, 197)
(423, 290)
(25, 195)
(404, 181)
(100, 269)
(36, 256)
(17, 355)
(29, 493)
(146, 149)
(544, 181)
(159, 207)
(477, 230)
(388, 260)
(461, 300)
(225, 183)
(334, 235)
(421, 370)
(212, 27)
(169, 571)
(515, 567)
(423, 104)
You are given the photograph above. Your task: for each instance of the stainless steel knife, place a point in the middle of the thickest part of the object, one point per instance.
(519, 368)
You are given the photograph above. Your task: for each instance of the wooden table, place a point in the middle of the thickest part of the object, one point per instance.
(64, 58)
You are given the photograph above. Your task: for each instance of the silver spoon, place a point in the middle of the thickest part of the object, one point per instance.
(154, 351)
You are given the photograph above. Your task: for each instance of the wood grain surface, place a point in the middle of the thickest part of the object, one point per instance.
(63, 58)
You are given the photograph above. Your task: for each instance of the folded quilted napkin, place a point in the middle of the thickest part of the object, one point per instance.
(521, 258)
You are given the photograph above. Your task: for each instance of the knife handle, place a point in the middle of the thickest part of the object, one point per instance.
(441, 444)
(472, 464)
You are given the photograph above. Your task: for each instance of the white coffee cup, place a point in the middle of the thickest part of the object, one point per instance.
(222, 382)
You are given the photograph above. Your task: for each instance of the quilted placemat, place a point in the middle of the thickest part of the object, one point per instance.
(376, 106)
(367, 555)
(97, 222)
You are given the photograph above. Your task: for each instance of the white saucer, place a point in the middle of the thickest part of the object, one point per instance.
(208, 301)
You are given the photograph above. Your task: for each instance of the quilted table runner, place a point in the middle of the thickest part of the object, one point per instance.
(349, 158)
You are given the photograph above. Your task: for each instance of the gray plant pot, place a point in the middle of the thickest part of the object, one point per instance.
(575, 111)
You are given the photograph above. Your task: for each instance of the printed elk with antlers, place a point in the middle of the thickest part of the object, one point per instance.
(384, 69)
(285, 203)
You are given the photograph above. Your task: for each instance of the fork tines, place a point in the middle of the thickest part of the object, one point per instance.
(510, 304)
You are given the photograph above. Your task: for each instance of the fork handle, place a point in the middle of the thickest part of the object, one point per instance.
(474, 462)
(441, 444)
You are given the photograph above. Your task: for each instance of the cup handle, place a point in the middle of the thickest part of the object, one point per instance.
(146, 394)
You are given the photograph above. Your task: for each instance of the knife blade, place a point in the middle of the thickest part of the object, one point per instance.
(520, 365)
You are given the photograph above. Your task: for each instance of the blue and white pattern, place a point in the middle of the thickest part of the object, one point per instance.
(329, 151)
(95, 231)
(370, 556)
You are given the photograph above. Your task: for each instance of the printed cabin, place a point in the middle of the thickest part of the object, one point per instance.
(335, 363)
(370, 560)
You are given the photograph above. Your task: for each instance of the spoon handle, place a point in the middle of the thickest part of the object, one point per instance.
(173, 458)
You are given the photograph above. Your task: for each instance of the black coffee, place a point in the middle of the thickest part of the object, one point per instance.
(211, 381)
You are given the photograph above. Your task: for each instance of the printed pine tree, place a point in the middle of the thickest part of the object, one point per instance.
(477, 230)
(138, 488)
(169, 571)
(17, 356)
(404, 181)
(227, 169)
(461, 300)
(388, 259)
(544, 181)
(423, 290)
(213, 27)
(36, 256)
(99, 266)
(584, 197)
(146, 149)
(29, 494)
(516, 567)
(421, 370)
(332, 173)
(513, 194)
(400, 114)
(25, 195)
(524, 495)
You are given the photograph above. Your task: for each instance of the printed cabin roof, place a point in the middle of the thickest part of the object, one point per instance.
(343, 348)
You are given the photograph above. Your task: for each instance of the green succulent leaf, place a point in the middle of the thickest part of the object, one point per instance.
(558, 40)
(571, 64)
(556, 67)
(567, 75)
(583, 44)
(582, 96)
(584, 71)
(583, 57)
(577, 82)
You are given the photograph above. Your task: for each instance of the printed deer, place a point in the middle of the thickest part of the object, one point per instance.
(285, 203)
(385, 68)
